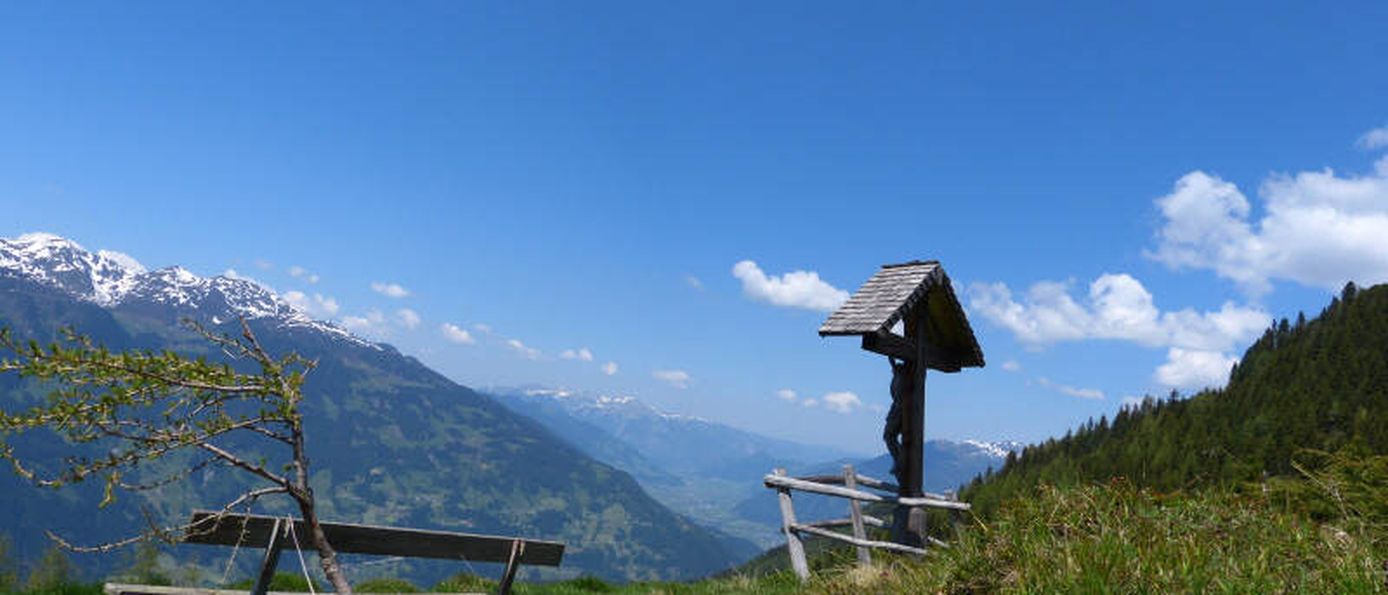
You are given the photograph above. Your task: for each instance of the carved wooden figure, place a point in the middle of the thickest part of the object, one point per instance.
(936, 336)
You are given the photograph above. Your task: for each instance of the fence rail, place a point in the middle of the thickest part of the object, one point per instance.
(847, 486)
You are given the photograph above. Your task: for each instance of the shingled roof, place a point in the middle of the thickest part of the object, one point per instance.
(895, 290)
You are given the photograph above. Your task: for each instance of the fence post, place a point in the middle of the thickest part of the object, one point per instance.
(794, 547)
(855, 510)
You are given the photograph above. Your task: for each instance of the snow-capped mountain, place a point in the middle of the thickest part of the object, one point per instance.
(112, 279)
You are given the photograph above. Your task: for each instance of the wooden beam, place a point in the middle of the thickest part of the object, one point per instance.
(794, 548)
(855, 512)
(272, 558)
(351, 538)
(780, 481)
(846, 522)
(892, 345)
(886, 545)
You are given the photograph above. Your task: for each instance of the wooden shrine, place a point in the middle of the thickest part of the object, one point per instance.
(934, 335)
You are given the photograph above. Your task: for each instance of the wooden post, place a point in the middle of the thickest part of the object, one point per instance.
(855, 511)
(794, 547)
(908, 523)
(512, 564)
(272, 558)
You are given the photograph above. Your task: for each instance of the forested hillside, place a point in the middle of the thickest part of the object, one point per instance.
(1318, 384)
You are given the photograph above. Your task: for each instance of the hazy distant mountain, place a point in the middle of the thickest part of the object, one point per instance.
(392, 441)
(712, 472)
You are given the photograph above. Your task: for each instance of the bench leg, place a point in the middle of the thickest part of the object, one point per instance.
(271, 561)
(512, 565)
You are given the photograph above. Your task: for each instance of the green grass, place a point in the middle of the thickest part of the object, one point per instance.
(1115, 538)
(1326, 533)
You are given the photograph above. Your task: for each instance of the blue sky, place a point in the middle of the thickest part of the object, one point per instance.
(587, 175)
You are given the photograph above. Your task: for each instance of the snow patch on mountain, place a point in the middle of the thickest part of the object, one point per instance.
(998, 449)
(109, 279)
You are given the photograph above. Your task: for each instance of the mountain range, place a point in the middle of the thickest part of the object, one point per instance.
(392, 442)
(712, 472)
(634, 492)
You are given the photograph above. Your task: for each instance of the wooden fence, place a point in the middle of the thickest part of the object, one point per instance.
(853, 487)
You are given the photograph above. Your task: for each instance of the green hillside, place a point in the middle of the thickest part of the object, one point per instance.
(1318, 384)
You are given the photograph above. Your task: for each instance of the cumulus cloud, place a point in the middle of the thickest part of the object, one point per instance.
(124, 260)
(1117, 307)
(1374, 139)
(299, 272)
(1316, 228)
(796, 289)
(810, 402)
(392, 290)
(1194, 369)
(786, 394)
(676, 378)
(407, 318)
(482, 328)
(523, 349)
(841, 402)
(609, 368)
(581, 353)
(1083, 393)
(1012, 366)
(317, 305)
(371, 323)
(455, 334)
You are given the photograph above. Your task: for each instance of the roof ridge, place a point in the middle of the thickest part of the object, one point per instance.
(916, 262)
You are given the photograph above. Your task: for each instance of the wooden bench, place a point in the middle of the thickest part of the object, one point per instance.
(270, 533)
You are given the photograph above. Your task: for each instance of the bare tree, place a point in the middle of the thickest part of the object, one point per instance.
(145, 405)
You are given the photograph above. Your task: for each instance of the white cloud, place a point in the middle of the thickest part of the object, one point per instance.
(810, 403)
(581, 353)
(1119, 308)
(407, 318)
(393, 290)
(841, 402)
(676, 378)
(371, 323)
(454, 334)
(1316, 228)
(299, 272)
(786, 394)
(1083, 393)
(124, 260)
(263, 264)
(796, 289)
(482, 328)
(523, 349)
(609, 368)
(317, 305)
(1012, 366)
(1130, 401)
(694, 282)
(1194, 369)
(1374, 139)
